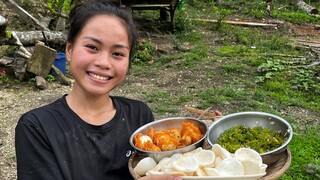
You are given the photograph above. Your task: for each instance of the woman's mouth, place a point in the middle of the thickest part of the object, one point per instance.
(99, 77)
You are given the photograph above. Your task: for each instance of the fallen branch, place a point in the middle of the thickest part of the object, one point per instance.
(208, 114)
(21, 54)
(283, 55)
(24, 14)
(306, 7)
(282, 7)
(30, 38)
(309, 43)
(6, 61)
(238, 23)
(202, 114)
(63, 79)
(314, 64)
(19, 44)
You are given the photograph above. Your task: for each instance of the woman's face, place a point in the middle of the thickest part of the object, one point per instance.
(99, 57)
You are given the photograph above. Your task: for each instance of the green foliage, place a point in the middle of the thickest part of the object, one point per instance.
(258, 138)
(32, 80)
(275, 43)
(296, 17)
(182, 21)
(8, 34)
(269, 69)
(4, 78)
(7, 49)
(222, 15)
(165, 101)
(301, 78)
(232, 51)
(181, 5)
(194, 46)
(51, 78)
(56, 6)
(145, 51)
(305, 80)
(212, 96)
(276, 87)
(233, 67)
(26, 4)
(245, 69)
(256, 10)
(305, 150)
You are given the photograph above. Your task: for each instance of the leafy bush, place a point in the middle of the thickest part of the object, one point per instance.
(145, 51)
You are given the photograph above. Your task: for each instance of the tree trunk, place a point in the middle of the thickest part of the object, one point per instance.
(29, 38)
(306, 7)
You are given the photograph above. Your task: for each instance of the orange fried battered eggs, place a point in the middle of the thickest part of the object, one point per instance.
(165, 140)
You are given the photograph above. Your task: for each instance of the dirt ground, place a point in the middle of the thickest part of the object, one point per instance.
(18, 99)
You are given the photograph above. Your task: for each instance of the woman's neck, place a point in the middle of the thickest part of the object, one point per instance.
(96, 110)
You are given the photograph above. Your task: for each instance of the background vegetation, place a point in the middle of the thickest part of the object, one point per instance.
(258, 69)
(237, 68)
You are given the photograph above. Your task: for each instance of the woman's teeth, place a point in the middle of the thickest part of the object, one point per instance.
(99, 77)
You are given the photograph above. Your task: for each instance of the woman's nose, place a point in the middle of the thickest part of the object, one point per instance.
(103, 61)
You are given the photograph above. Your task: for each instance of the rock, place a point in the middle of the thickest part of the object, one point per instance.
(41, 83)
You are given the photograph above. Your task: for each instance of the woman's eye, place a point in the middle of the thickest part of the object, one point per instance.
(92, 47)
(118, 54)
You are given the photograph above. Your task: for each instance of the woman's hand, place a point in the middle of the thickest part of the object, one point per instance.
(160, 177)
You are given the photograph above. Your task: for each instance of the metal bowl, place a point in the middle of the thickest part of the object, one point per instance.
(174, 122)
(253, 119)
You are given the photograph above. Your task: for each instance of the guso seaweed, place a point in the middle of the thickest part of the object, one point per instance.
(257, 138)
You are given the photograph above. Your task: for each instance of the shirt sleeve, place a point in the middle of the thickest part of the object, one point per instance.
(35, 158)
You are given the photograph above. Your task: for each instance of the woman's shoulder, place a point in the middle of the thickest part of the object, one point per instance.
(134, 109)
(128, 101)
(44, 111)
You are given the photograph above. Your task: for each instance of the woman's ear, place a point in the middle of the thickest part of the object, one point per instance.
(68, 51)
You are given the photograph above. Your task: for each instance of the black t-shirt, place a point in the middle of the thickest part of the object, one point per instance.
(53, 142)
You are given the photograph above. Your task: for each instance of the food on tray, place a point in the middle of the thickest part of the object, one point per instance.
(142, 167)
(216, 161)
(168, 139)
(145, 142)
(258, 138)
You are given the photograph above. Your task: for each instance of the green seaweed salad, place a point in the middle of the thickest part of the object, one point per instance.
(257, 138)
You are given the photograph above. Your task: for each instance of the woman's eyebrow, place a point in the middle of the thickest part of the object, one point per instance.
(99, 42)
(93, 39)
(121, 46)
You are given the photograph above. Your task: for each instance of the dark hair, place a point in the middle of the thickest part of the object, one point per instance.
(81, 13)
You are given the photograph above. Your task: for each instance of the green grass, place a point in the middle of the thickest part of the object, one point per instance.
(256, 70)
(304, 153)
(166, 102)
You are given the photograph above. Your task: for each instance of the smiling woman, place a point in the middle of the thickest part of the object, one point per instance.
(85, 134)
(102, 55)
